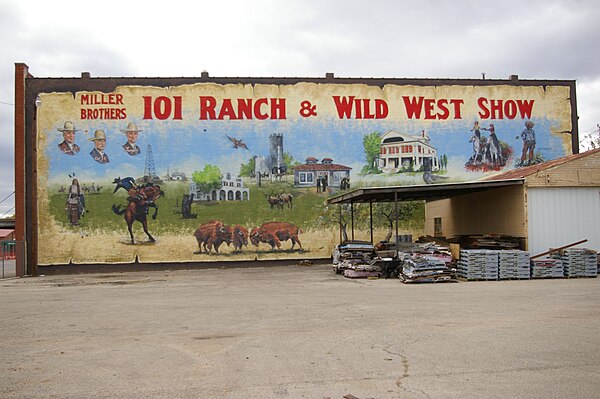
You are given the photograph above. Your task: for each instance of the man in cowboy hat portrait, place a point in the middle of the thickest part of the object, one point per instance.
(97, 153)
(68, 145)
(132, 134)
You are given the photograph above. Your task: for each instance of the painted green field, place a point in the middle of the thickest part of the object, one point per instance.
(306, 208)
(307, 211)
(102, 235)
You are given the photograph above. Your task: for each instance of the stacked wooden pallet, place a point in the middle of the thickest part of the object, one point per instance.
(579, 262)
(546, 268)
(478, 264)
(513, 264)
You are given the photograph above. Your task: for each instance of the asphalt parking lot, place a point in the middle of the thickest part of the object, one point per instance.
(296, 332)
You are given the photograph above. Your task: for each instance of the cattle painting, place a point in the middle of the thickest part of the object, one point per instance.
(286, 199)
(240, 237)
(212, 234)
(274, 201)
(273, 233)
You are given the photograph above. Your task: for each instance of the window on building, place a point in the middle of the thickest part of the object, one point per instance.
(437, 227)
(306, 177)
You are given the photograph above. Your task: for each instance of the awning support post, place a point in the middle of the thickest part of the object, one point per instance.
(396, 218)
(340, 224)
(371, 218)
(352, 218)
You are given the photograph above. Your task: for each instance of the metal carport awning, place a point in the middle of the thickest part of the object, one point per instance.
(428, 192)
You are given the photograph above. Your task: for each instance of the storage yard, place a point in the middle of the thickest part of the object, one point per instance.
(430, 262)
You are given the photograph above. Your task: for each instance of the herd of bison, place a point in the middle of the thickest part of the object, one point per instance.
(214, 233)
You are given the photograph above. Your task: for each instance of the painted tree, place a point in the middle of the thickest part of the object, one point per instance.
(289, 162)
(335, 215)
(247, 169)
(208, 179)
(384, 214)
(371, 144)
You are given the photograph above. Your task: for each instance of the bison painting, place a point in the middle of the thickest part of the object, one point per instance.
(212, 234)
(240, 237)
(273, 233)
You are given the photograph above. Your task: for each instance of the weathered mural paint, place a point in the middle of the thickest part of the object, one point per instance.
(209, 172)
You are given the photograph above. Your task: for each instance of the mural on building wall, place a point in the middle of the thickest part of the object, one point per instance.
(209, 172)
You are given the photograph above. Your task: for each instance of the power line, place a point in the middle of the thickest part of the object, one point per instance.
(9, 195)
(2, 102)
(5, 213)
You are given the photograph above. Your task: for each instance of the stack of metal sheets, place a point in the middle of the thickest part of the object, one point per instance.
(579, 262)
(546, 268)
(362, 269)
(478, 264)
(424, 269)
(513, 264)
(356, 259)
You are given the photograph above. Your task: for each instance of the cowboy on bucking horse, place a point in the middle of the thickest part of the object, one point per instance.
(140, 199)
(136, 193)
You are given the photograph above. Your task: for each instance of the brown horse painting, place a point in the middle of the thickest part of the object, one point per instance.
(138, 207)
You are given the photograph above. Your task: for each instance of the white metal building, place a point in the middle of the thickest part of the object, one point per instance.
(557, 205)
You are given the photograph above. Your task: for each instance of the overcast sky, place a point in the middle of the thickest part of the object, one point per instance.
(261, 38)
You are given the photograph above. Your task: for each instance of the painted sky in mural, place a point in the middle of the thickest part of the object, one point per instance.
(184, 133)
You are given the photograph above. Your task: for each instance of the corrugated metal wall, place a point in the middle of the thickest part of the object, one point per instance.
(561, 216)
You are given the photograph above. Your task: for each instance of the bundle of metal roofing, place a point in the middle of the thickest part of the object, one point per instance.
(357, 273)
(362, 268)
(546, 268)
(356, 259)
(579, 262)
(478, 264)
(424, 269)
(432, 250)
(513, 264)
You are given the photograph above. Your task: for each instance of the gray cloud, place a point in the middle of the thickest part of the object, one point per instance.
(451, 39)
(53, 53)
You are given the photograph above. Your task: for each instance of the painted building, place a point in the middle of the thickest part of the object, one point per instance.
(276, 153)
(401, 151)
(232, 189)
(178, 176)
(308, 174)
